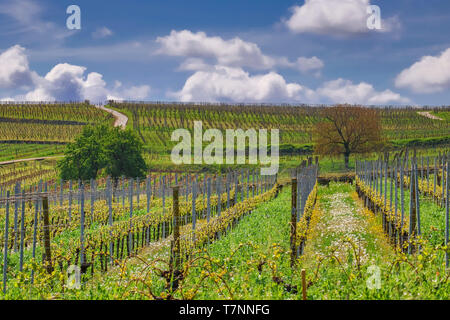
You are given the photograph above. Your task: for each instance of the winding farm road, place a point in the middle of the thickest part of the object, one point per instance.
(427, 114)
(121, 120)
(29, 159)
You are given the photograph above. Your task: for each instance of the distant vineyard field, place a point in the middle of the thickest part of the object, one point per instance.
(445, 115)
(47, 123)
(154, 122)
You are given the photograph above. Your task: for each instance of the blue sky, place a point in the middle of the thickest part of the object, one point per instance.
(315, 51)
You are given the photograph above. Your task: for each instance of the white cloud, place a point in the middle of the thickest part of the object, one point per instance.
(132, 93)
(236, 85)
(14, 69)
(26, 17)
(204, 53)
(337, 17)
(64, 82)
(224, 84)
(234, 52)
(309, 64)
(194, 64)
(345, 91)
(429, 75)
(102, 32)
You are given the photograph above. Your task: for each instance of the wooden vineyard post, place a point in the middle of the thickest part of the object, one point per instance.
(242, 185)
(110, 217)
(444, 158)
(70, 200)
(298, 201)
(227, 186)
(36, 217)
(418, 222)
(304, 284)
(163, 191)
(22, 232)
(402, 202)
(435, 177)
(194, 213)
(138, 191)
(248, 182)
(175, 257)
(16, 207)
(149, 192)
(293, 221)
(5, 247)
(82, 222)
(92, 187)
(219, 195)
(123, 192)
(61, 192)
(48, 254)
(428, 174)
(208, 199)
(412, 209)
(130, 195)
(447, 214)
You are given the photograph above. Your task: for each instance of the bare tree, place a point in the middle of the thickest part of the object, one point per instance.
(346, 129)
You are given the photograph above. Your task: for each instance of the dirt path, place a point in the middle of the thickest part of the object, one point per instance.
(428, 115)
(121, 119)
(344, 226)
(29, 159)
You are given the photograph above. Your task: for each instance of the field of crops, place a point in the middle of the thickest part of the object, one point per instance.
(46, 123)
(45, 232)
(236, 236)
(155, 122)
(223, 232)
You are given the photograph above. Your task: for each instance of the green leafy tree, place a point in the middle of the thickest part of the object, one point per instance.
(85, 157)
(123, 151)
(115, 151)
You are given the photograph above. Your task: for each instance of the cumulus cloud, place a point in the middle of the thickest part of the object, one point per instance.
(194, 64)
(102, 32)
(337, 17)
(234, 52)
(345, 91)
(14, 69)
(131, 93)
(203, 52)
(309, 64)
(236, 85)
(64, 82)
(430, 74)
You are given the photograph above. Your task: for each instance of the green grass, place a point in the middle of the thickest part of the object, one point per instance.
(420, 276)
(432, 216)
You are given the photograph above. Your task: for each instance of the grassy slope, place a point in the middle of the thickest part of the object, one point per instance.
(235, 258)
(338, 274)
(252, 261)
